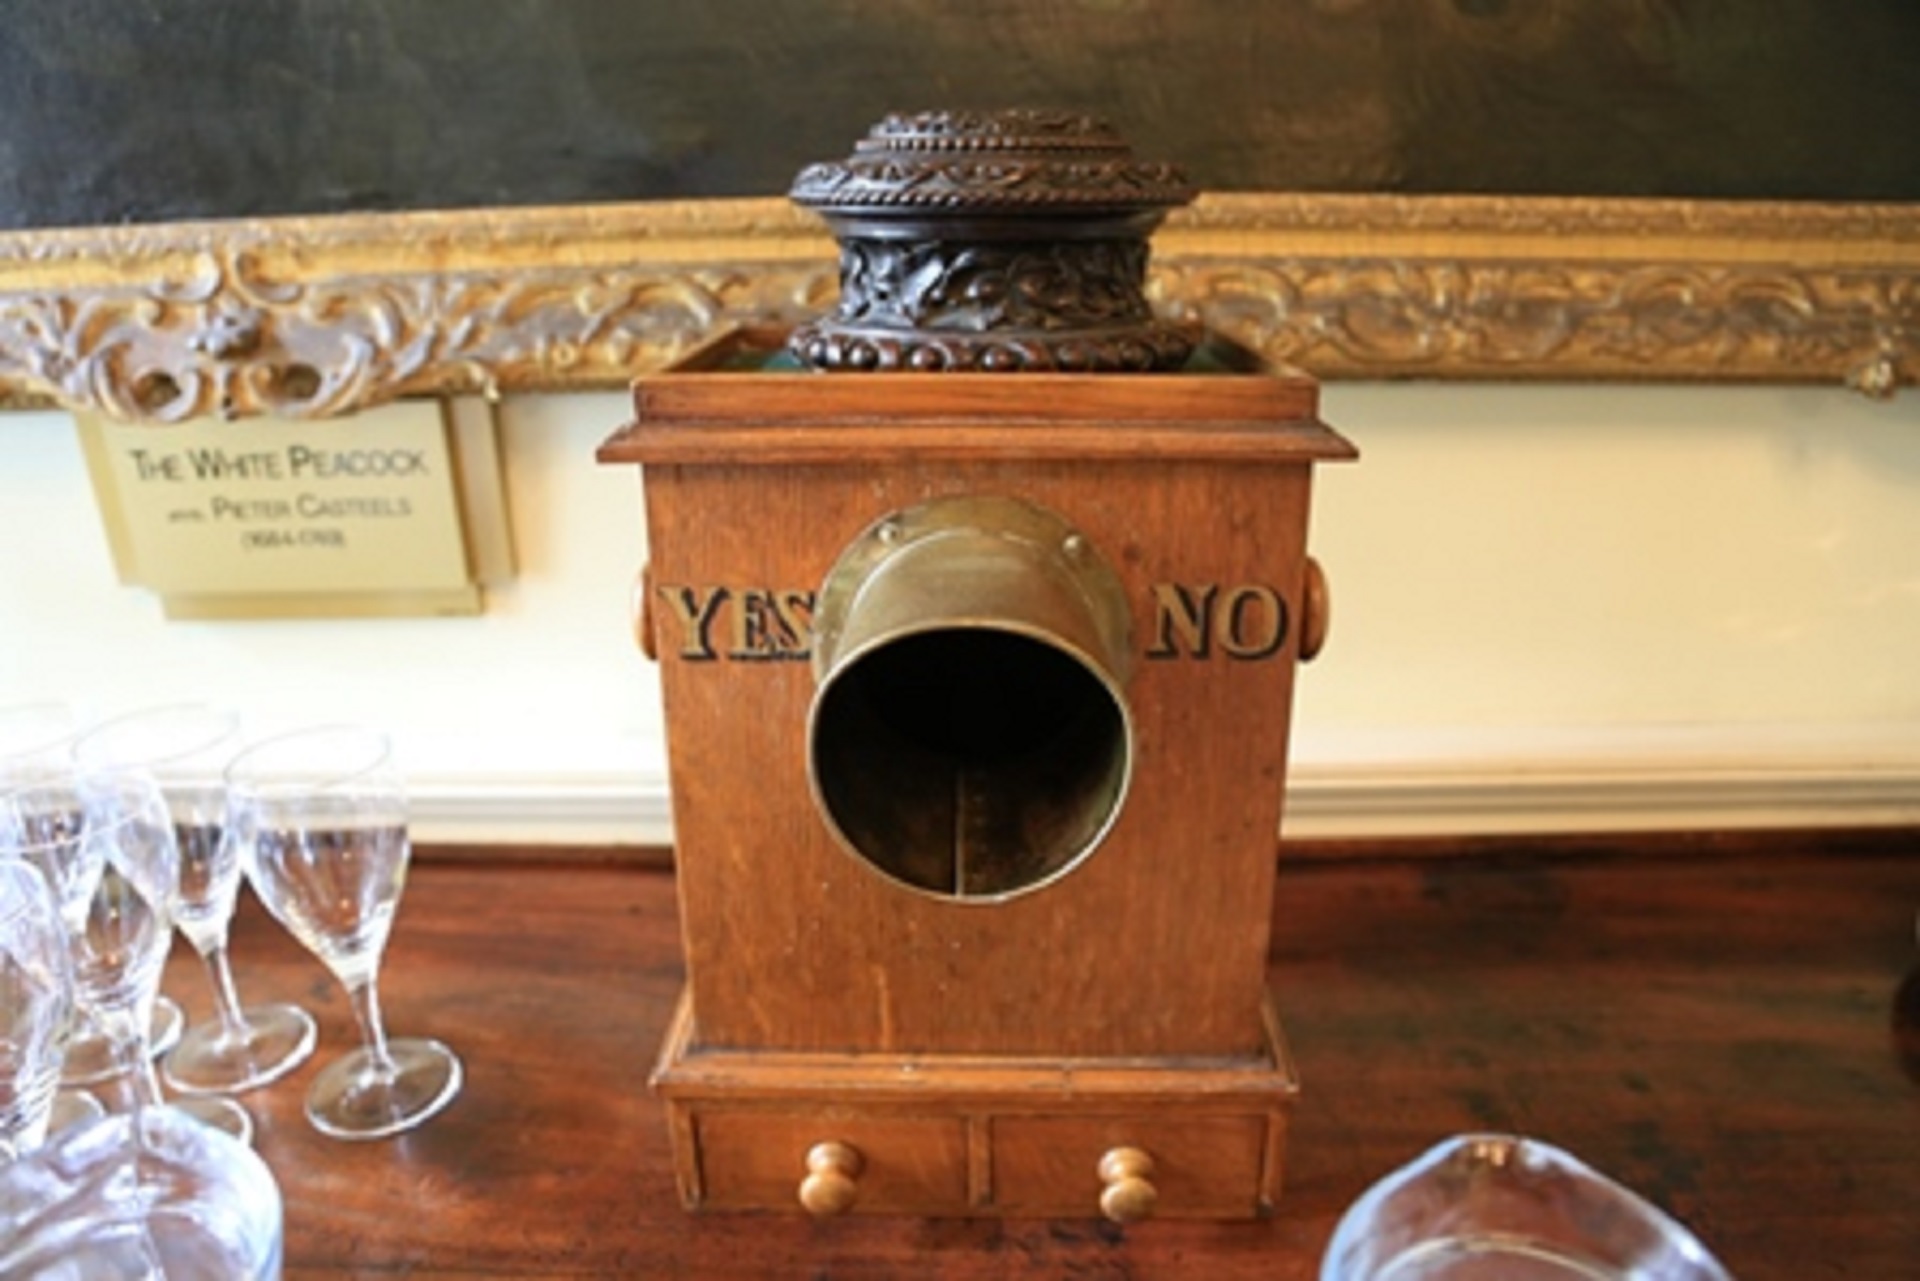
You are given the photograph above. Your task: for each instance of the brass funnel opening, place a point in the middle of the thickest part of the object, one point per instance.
(970, 736)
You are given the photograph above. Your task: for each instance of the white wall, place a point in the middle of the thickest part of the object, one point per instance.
(1556, 608)
(1585, 607)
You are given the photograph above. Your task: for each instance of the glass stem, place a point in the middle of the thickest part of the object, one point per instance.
(366, 1010)
(226, 998)
(136, 1069)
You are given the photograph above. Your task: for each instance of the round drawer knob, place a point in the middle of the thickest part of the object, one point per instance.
(829, 1187)
(1129, 1195)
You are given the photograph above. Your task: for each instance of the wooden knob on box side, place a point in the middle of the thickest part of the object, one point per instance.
(1129, 1195)
(640, 604)
(1316, 609)
(830, 1187)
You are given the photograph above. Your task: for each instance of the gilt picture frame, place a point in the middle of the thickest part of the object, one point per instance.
(355, 204)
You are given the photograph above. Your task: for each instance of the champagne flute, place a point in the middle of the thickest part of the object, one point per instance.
(322, 814)
(112, 879)
(36, 1006)
(36, 742)
(186, 748)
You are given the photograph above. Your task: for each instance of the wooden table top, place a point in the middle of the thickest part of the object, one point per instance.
(1734, 1037)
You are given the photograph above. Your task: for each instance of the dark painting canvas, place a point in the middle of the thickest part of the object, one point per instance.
(144, 110)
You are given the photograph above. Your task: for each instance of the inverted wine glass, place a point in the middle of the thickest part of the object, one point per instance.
(36, 751)
(36, 1005)
(119, 930)
(185, 748)
(322, 814)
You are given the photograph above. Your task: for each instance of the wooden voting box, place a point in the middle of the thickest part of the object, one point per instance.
(977, 693)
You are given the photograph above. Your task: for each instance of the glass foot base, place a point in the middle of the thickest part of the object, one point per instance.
(211, 1059)
(223, 1115)
(350, 1100)
(89, 1059)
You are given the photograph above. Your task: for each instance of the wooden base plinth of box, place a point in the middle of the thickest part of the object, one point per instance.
(952, 1135)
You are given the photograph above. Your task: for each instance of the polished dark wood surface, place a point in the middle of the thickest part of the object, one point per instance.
(1731, 1030)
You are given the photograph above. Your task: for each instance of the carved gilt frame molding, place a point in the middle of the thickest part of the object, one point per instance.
(317, 316)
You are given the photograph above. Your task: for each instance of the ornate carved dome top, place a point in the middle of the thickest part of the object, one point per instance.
(991, 162)
(998, 242)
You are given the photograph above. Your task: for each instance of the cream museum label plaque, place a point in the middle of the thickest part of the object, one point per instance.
(366, 515)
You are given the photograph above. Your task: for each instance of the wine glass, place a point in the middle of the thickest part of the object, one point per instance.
(34, 738)
(322, 814)
(185, 748)
(36, 743)
(111, 871)
(36, 1006)
(71, 1104)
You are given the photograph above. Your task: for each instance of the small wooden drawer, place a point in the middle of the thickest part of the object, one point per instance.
(906, 1164)
(1210, 1166)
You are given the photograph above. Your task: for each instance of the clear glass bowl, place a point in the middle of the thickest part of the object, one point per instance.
(1496, 1207)
(155, 1194)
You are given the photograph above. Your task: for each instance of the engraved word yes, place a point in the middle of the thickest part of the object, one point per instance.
(744, 624)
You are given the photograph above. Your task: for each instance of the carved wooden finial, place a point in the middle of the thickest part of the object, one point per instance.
(999, 241)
